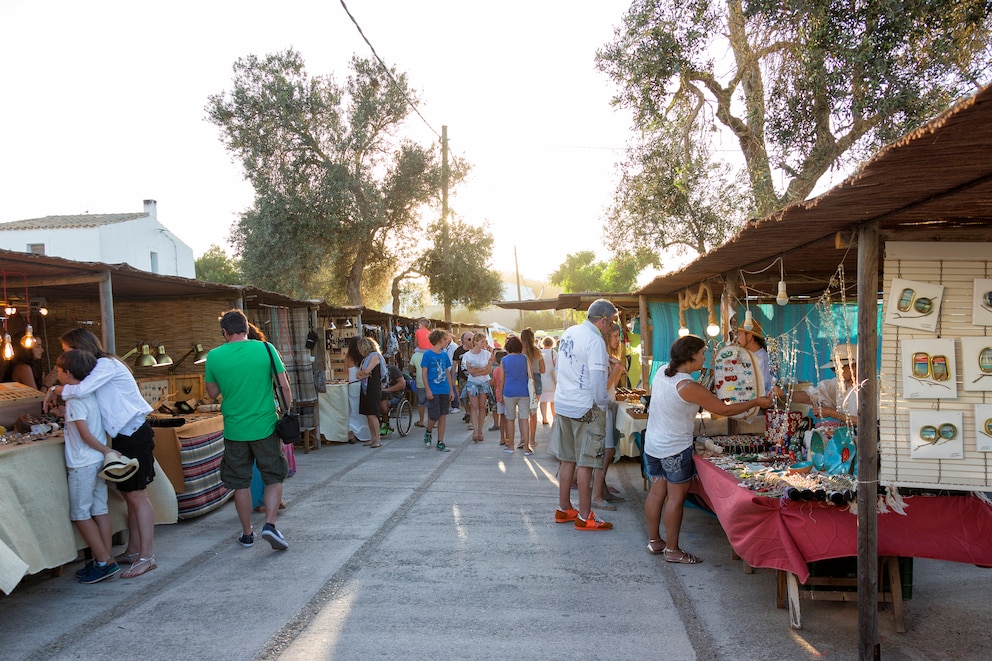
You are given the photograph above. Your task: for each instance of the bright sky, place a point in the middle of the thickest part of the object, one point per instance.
(104, 107)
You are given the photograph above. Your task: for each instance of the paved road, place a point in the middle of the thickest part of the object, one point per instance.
(408, 553)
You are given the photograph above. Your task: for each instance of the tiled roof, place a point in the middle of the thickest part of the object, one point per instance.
(71, 222)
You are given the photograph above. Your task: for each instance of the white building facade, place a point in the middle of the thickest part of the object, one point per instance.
(137, 239)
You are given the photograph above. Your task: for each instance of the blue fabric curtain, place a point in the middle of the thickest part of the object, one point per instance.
(812, 330)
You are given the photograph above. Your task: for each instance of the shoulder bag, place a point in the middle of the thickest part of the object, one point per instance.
(288, 426)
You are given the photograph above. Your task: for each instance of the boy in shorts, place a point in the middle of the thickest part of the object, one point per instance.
(438, 387)
(85, 448)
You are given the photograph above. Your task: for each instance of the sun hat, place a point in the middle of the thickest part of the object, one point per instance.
(843, 353)
(755, 330)
(117, 467)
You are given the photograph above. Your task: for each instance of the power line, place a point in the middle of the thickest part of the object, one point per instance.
(388, 72)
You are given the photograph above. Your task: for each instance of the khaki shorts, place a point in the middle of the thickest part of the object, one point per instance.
(266, 453)
(581, 443)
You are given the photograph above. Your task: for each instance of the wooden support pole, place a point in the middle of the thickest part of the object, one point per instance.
(867, 376)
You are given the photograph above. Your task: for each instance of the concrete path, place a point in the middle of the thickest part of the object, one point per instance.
(405, 552)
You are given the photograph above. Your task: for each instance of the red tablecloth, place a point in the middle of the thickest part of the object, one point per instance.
(765, 534)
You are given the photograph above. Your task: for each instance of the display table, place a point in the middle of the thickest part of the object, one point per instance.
(766, 534)
(333, 413)
(627, 427)
(190, 455)
(35, 530)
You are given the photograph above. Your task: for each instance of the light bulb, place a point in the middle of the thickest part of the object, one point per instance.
(8, 347)
(10, 310)
(783, 296)
(713, 330)
(683, 331)
(28, 340)
(43, 312)
(748, 321)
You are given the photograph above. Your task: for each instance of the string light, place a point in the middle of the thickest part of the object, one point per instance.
(8, 346)
(28, 340)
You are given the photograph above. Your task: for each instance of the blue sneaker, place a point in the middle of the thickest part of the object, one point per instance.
(274, 537)
(442, 447)
(248, 540)
(98, 573)
(85, 569)
(428, 439)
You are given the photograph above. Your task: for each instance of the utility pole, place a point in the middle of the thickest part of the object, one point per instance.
(516, 266)
(444, 214)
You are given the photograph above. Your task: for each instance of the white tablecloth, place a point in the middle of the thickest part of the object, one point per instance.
(626, 428)
(333, 413)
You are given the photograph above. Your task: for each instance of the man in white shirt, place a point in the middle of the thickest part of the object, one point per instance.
(580, 412)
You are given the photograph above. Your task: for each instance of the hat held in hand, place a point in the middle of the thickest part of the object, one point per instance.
(117, 467)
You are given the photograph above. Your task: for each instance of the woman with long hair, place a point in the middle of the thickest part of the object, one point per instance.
(675, 400)
(601, 494)
(478, 363)
(358, 424)
(25, 366)
(536, 362)
(124, 412)
(369, 372)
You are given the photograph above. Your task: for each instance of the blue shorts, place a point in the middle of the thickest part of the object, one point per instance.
(421, 396)
(475, 389)
(676, 469)
(438, 406)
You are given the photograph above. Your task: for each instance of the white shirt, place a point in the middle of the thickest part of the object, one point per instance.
(477, 360)
(77, 452)
(827, 393)
(670, 423)
(121, 405)
(582, 368)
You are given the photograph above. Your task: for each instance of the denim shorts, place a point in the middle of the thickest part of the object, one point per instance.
(421, 396)
(475, 389)
(676, 469)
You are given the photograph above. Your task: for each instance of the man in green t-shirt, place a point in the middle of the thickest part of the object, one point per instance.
(241, 371)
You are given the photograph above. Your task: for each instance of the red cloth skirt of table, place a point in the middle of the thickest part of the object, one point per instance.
(766, 534)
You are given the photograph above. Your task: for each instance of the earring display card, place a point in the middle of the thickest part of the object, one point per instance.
(928, 369)
(936, 434)
(976, 363)
(914, 304)
(154, 390)
(981, 312)
(983, 427)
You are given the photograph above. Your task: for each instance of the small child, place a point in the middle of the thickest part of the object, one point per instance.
(438, 387)
(422, 336)
(85, 448)
(497, 384)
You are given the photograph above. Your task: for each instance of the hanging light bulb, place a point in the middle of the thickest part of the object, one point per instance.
(713, 329)
(8, 347)
(28, 340)
(683, 331)
(748, 320)
(783, 296)
(10, 310)
(43, 311)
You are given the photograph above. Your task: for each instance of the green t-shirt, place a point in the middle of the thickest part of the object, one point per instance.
(243, 373)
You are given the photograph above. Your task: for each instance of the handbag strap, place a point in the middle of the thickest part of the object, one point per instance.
(275, 379)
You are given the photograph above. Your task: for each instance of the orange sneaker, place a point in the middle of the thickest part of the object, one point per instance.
(592, 523)
(564, 516)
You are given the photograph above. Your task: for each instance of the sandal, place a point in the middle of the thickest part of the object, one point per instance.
(125, 557)
(375, 445)
(145, 564)
(656, 546)
(679, 556)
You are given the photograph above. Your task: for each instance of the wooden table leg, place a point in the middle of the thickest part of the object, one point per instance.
(895, 586)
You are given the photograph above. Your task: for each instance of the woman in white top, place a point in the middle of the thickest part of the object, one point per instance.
(548, 379)
(479, 364)
(675, 400)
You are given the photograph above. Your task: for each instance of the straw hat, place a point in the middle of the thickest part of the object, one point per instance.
(117, 467)
(844, 354)
(756, 329)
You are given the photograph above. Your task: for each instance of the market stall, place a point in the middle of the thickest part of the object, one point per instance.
(190, 448)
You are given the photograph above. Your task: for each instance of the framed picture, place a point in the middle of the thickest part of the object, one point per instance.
(914, 304)
(928, 369)
(983, 427)
(936, 434)
(976, 363)
(981, 311)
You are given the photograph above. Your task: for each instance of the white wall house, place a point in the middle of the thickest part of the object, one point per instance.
(137, 239)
